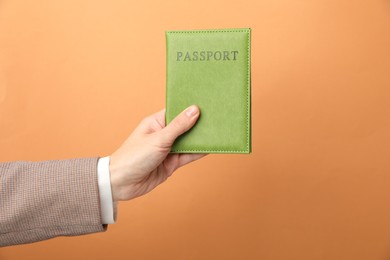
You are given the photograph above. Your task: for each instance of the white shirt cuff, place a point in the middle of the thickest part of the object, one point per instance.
(106, 202)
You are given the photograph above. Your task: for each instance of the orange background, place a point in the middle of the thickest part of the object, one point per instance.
(77, 76)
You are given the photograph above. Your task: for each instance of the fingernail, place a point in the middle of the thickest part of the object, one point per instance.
(191, 111)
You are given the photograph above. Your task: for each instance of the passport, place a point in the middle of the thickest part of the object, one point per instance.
(211, 69)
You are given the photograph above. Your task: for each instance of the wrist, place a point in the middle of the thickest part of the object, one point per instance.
(114, 178)
(120, 184)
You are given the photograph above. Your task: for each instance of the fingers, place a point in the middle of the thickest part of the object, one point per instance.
(180, 124)
(186, 158)
(175, 161)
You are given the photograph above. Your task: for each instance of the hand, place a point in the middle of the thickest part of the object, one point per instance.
(143, 161)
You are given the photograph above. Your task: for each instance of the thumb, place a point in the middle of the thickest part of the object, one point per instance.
(181, 124)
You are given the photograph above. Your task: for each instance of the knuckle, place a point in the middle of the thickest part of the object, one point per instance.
(146, 120)
(163, 141)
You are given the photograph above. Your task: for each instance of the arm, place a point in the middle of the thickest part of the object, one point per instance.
(41, 200)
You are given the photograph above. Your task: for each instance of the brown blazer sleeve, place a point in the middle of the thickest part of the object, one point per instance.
(42, 200)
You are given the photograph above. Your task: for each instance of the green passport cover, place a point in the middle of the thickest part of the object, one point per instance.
(210, 68)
